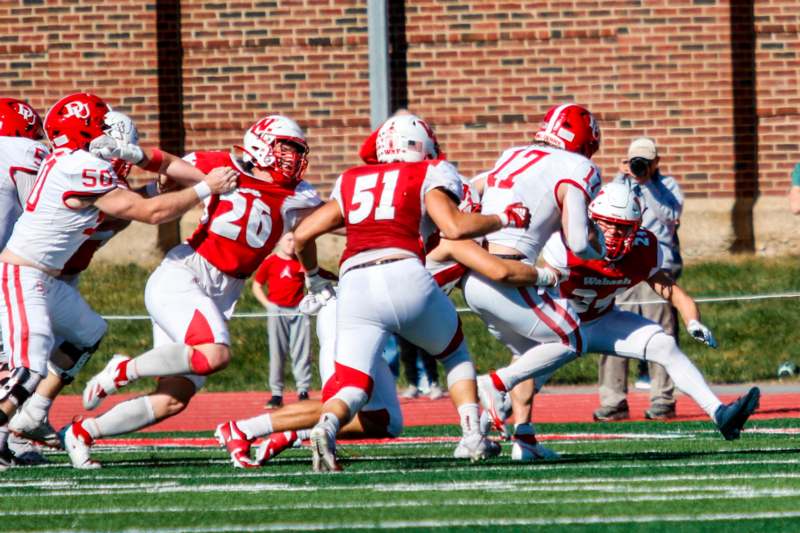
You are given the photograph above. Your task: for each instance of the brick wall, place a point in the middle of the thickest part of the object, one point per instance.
(482, 71)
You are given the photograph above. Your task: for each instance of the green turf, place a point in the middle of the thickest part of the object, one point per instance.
(687, 480)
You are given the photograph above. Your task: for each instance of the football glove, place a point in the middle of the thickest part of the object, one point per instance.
(516, 215)
(310, 305)
(320, 287)
(108, 148)
(700, 333)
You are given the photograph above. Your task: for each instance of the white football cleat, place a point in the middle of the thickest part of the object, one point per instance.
(486, 426)
(236, 443)
(106, 382)
(25, 451)
(526, 448)
(24, 426)
(77, 443)
(495, 402)
(275, 444)
(476, 447)
(323, 450)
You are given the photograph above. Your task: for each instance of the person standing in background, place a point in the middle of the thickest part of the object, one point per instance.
(662, 203)
(288, 330)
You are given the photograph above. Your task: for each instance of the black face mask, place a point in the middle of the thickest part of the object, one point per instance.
(639, 166)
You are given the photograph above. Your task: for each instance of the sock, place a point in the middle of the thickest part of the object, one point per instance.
(255, 427)
(470, 421)
(123, 418)
(167, 360)
(663, 350)
(330, 422)
(303, 434)
(3, 436)
(38, 406)
(540, 360)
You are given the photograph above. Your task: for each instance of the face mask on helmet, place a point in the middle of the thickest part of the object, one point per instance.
(406, 138)
(75, 120)
(570, 127)
(276, 144)
(18, 119)
(618, 213)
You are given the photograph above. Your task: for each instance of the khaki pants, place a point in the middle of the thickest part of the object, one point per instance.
(613, 370)
(288, 334)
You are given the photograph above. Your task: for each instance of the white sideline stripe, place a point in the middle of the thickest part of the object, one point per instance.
(706, 299)
(487, 523)
(238, 474)
(656, 496)
(616, 485)
(496, 486)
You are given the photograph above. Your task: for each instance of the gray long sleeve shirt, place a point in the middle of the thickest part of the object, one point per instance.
(662, 201)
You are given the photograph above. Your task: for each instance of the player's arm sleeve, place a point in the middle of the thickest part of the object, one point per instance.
(25, 178)
(298, 206)
(443, 175)
(576, 231)
(93, 180)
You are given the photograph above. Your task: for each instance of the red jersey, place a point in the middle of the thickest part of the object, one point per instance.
(383, 205)
(285, 279)
(240, 228)
(593, 284)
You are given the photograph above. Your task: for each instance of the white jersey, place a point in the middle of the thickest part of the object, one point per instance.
(48, 233)
(532, 174)
(20, 159)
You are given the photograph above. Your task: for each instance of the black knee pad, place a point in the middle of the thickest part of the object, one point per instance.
(79, 355)
(19, 386)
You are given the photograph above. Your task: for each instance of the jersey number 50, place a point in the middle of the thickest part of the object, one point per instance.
(229, 223)
(364, 197)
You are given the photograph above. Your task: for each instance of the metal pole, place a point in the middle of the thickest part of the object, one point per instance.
(378, 34)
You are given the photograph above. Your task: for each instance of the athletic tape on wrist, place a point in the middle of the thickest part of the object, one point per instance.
(156, 158)
(203, 190)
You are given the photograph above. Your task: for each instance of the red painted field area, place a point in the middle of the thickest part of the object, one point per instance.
(211, 408)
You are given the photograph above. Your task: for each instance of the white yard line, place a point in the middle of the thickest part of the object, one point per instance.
(658, 495)
(485, 523)
(88, 486)
(541, 466)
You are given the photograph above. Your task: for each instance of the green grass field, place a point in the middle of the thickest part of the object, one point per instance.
(754, 336)
(654, 477)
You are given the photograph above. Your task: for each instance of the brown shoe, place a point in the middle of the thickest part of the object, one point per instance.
(660, 412)
(608, 414)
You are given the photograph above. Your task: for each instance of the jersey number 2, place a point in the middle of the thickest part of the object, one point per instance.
(259, 223)
(364, 197)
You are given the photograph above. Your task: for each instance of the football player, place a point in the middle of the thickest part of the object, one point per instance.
(632, 255)
(381, 416)
(555, 178)
(191, 295)
(390, 209)
(72, 192)
(31, 420)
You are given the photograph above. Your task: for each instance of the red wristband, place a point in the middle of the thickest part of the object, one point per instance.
(154, 165)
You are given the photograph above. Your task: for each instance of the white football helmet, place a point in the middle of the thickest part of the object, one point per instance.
(277, 144)
(617, 204)
(406, 138)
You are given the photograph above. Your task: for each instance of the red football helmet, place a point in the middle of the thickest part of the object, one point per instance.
(75, 120)
(570, 127)
(18, 119)
(619, 209)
